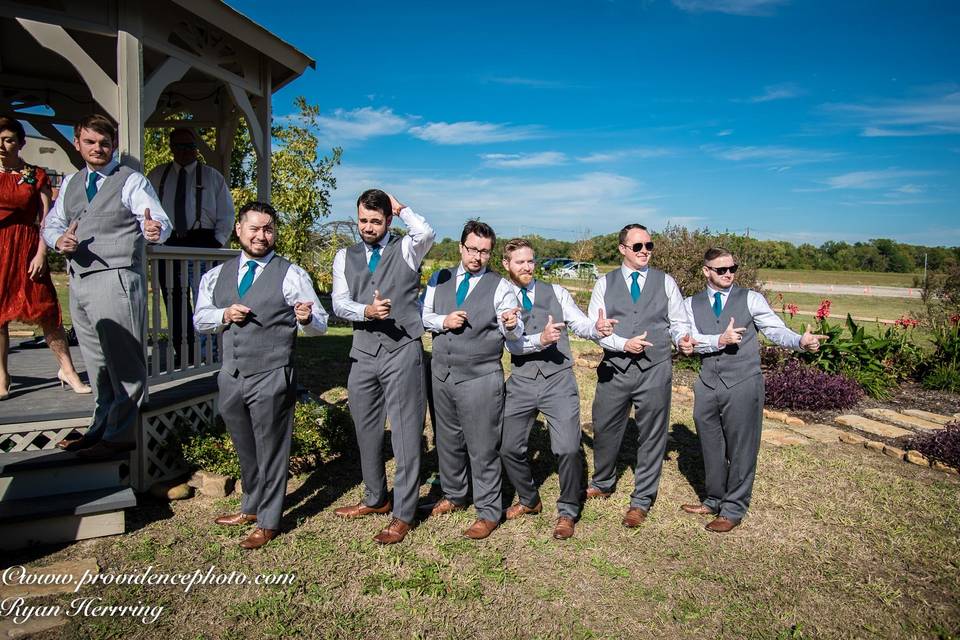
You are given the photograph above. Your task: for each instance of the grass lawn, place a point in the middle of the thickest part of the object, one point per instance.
(839, 543)
(841, 305)
(864, 278)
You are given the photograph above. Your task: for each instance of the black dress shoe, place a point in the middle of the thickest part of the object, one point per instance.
(104, 449)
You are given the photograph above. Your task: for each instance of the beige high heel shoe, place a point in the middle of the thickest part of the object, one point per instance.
(77, 388)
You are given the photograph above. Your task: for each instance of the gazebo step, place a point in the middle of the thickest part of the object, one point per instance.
(35, 474)
(64, 518)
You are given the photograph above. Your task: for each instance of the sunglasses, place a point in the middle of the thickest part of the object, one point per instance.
(638, 246)
(722, 270)
(184, 146)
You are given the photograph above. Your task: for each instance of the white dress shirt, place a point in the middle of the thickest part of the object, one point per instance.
(578, 322)
(675, 311)
(137, 195)
(768, 322)
(297, 287)
(504, 299)
(216, 204)
(413, 246)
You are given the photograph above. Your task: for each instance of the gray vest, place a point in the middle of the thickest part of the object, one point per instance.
(737, 362)
(109, 233)
(475, 349)
(395, 280)
(650, 313)
(557, 356)
(264, 341)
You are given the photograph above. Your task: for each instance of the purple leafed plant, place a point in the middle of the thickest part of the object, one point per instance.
(794, 385)
(940, 446)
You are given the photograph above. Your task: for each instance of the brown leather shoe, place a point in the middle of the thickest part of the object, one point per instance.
(521, 509)
(359, 510)
(258, 538)
(446, 506)
(721, 524)
(634, 517)
(593, 493)
(699, 509)
(480, 529)
(105, 449)
(393, 533)
(564, 528)
(237, 518)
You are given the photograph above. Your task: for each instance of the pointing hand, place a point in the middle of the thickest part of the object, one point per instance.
(303, 311)
(551, 332)
(68, 242)
(455, 320)
(236, 313)
(810, 341)
(733, 335)
(379, 310)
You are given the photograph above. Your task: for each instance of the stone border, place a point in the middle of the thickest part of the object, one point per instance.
(911, 456)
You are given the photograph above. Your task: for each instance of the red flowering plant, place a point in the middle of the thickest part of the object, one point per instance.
(823, 312)
(792, 309)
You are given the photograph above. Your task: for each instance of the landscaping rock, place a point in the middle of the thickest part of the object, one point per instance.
(851, 438)
(819, 432)
(939, 466)
(782, 438)
(171, 490)
(939, 418)
(875, 445)
(872, 426)
(74, 568)
(8, 629)
(917, 458)
(894, 452)
(216, 485)
(794, 421)
(779, 416)
(900, 419)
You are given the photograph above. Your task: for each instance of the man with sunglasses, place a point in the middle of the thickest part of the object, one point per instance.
(729, 394)
(471, 312)
(202, 213)
(636, 369)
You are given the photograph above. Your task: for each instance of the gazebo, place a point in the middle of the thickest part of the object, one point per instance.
(144, 64)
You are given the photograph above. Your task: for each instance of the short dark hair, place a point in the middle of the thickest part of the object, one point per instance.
(9, 123)
(100, 124)
(375, 200)
(193, 134)
(715, 252)
(258, 207)
(481, 229)
(514, 244)
(626, 230)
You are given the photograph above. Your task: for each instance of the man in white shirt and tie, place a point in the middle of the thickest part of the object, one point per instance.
(471, 311)
(376, 285)
(729, 393)
(257, 301)
(542, 380)
(201, 209)
(636, 369)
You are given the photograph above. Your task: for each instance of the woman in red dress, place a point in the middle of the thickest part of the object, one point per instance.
(26, 291)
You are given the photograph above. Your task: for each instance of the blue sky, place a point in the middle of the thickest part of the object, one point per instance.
(800, 120)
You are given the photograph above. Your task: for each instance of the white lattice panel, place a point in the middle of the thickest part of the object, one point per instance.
(37, 436)
(157, 458)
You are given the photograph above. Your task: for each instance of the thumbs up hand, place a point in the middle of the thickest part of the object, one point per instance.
(810, 341)
(604, 325)
(68, 242)
(686, 345)
(551, 332)
(151, 227)
(303, 311)
(733, 335)
(379, 310)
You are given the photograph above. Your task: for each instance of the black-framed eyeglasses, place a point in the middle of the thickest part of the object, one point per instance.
(474, 252)
(183, 146)
(722, 270)
(638, 246)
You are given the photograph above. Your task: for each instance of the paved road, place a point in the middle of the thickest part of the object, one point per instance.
(845, 289)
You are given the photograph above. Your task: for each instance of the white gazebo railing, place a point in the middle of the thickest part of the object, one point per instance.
(180, 270)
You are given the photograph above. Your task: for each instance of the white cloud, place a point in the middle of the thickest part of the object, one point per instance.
(724, 133)
(533, 83)
(472, 132)
(777, 155)
(736, 7)
(924, 116)
(524, 160)
(361, 124)
(778, 92)
(623, 154)
(882, 179)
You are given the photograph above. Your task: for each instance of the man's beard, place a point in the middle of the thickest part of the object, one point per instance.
(255, 252)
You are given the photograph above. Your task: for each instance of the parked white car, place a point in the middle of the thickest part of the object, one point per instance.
(581, 270)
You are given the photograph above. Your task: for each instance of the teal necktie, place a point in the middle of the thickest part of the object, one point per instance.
(463, 289)
(247, 281)
(717, 304)
(527, 304)
(635, 286)
(91, 185)
(374, 259)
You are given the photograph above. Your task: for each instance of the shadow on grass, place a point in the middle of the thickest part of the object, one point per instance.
(686, 444)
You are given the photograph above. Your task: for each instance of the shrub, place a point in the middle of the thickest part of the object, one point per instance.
(794, 385)
(943, 377)
(320, 432)
(940, 446)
